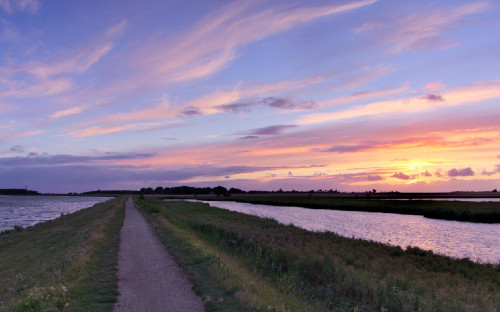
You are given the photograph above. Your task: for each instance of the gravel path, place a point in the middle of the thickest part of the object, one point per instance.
(149, 278)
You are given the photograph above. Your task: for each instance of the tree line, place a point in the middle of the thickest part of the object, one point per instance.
(190, 190)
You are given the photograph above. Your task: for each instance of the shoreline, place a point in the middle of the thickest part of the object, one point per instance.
(477, 212)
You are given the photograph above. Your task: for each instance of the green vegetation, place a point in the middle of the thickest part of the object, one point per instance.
(67, 264)
(486, 212)
(16, 228)
(260, 264)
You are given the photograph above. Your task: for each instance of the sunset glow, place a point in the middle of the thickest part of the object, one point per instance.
(259, 95)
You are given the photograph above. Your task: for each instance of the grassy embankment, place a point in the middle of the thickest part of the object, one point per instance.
(237, 261)
(486, 212)
(67, 264)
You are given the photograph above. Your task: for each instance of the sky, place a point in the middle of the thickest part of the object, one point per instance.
(259, 95)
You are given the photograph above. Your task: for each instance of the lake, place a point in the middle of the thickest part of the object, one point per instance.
(478, 241)
(29, 210)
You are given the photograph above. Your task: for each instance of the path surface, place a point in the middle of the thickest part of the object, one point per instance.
(149, 278)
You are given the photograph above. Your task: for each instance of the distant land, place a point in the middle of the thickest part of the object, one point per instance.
(18, 192)
(223, 191)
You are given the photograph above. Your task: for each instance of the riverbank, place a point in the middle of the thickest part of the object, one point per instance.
(66, 264)
(482, 212)
(236, 259)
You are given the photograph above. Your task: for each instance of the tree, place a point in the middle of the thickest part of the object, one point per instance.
(219, 190)
(235, 190)
(158, 190)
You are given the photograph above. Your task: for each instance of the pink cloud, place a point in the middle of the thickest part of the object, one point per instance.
(435, 86)
(424, 31)
(401, 176)
(213, 42)
(465, 172)
(464, 95)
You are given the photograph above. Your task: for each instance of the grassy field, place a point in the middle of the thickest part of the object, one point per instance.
(67, 264)
(486, 212)
(240, 262)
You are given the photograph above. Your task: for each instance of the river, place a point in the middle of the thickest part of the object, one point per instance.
(477, 241)
(29, 210)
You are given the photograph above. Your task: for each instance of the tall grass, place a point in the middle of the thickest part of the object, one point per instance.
(67, 264)
(336, 273)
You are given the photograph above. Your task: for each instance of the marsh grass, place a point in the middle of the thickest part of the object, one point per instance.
(485, 212)
(327, 271)
(67, 264)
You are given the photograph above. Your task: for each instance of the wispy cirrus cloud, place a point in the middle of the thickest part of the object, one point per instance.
(465, 95)
(212, 43)
(422, 31)
(63, 159)
(416, 142)
(11, 6)
(17, 135)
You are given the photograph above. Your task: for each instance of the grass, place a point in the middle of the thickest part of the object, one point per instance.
(67, 264)
(17, 228)
(266, 266)
(485, 212)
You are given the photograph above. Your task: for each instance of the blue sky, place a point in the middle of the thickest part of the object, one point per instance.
(349, 95)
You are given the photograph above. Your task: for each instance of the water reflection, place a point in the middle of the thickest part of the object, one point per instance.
(29, 210)
(477, 241)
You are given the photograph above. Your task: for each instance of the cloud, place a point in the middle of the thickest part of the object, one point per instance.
(35, 159)
(237, 107)
(69, 111)
(426, 174)
(466, 95)
(465, 172)
(12, 136)
(271, 130)
(420, 31)
(249, 137)
(434, 86)
(11, 6)
(284, 103)
(190, 111)
(416, 142)
(488, 173)
(374, 178)
(365, 27)
(363, 95)
(433, 97)
(273, 102)
(213, 42)
(401, 176)
(18, 149)
(71, 176)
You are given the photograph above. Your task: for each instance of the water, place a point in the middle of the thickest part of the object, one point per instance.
(29, 210)
(477, 200)
(476, 241)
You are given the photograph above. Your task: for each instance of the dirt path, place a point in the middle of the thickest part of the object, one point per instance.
(149, 278)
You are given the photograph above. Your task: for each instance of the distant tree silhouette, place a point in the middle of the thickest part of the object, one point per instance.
(219, 190)
(235, 191)
(158, 190)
